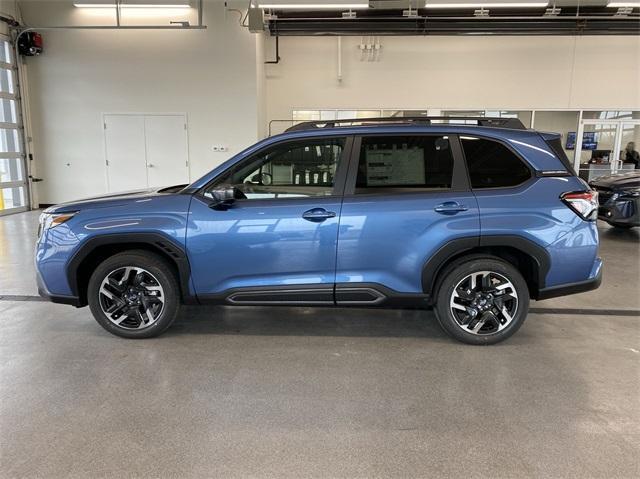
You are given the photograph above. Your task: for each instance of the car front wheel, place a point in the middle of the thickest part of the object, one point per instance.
(134, 294)
(624, 226)
(482, 300)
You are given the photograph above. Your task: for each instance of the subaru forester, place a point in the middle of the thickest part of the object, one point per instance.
(472, 218)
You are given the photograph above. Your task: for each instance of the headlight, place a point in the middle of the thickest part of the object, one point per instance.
(51, 220)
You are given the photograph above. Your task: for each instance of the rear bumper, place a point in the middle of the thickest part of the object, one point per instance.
(573, 288)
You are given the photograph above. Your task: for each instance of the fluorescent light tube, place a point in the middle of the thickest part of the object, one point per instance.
(487, 5)
(131, 5)
(313, 6)
(624, 4)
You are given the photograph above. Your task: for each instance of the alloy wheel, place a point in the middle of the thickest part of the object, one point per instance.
(484, 302)
(131, 297)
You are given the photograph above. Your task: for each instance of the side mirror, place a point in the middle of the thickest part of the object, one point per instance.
(223, 197)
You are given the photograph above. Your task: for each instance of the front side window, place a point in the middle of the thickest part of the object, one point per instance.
(404, 163)
(289, 170)
(492, 165)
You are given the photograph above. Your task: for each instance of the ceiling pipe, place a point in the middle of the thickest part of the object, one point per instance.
(339, 59)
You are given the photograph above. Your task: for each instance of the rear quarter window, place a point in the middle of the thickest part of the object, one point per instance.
(492, 165)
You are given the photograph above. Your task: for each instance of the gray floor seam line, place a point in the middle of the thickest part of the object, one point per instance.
(594, 312)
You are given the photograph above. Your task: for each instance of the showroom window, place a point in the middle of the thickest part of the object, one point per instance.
(288, 170)
(404, 162)
(492, 165)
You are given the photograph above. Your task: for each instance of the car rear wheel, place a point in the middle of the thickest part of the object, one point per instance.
(481, 300)
(134, 294)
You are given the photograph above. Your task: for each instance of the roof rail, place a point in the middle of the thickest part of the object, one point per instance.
(513, 123)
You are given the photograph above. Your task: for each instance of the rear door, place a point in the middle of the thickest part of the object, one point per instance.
(406, 196)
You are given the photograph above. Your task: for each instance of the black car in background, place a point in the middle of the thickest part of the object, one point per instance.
(619, 197)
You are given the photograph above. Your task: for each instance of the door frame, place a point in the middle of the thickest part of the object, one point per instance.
(340, 179)
(614, 160)
(103, 119)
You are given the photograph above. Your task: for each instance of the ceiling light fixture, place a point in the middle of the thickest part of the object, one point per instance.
(132, 5)
(486, 5)
(313, 6)
(624, 4)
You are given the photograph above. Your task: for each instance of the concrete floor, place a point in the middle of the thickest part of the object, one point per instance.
(301, 392)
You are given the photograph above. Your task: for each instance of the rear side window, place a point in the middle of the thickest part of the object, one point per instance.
(492, 165)
(404, 163)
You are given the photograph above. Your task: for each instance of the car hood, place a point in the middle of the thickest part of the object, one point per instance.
(112, 199)
(619, 181)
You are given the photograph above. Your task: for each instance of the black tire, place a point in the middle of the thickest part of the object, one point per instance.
(458, 271)
(164, 277)
(623, 226)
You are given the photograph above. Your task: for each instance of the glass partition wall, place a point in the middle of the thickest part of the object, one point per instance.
(599, 142)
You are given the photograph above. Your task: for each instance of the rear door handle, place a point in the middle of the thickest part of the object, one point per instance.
(317, 215)
(450, 208)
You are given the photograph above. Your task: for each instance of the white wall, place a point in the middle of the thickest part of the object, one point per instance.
(208, 74)
(457, 72)
(217, 77)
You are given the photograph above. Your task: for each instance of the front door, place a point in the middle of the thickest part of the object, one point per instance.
(406, 198)
(277, 243)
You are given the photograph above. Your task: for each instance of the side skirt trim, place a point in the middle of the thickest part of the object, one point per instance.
(341, 295)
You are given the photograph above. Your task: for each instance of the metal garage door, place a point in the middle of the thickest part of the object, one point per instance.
(14, 195)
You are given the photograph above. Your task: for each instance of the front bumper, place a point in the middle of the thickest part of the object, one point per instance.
(573, 288)
(55, 298)
(621, 210)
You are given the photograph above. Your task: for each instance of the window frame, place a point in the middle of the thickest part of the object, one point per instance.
(338, 182)
(532, 172)
(459, 179)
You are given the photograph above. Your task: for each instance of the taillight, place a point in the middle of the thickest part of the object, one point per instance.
(584, 203)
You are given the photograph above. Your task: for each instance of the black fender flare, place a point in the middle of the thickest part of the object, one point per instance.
(459, 246)
(162, 243)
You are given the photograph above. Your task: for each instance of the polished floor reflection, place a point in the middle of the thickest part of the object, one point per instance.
(302, 392)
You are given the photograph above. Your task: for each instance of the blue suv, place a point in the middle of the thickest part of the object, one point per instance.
(472, 218)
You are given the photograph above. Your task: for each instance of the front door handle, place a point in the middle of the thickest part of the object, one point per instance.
(450, 208)
(317, 215)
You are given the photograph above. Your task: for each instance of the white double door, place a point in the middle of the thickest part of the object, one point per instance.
(145, 151)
